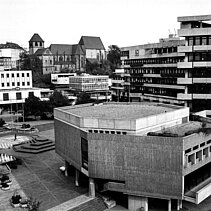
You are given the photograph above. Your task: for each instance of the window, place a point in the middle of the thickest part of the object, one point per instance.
(18, 83)
(204, 41)
(8, 75)
(22, 74)
(84, 153)
(8, 84)
(13, 75)
(190, 41)
(2, 84)
(27, 74)
(17, 74)
(5, 96)
(202, 144)
(195, 147)
(2, 75)
(28, 83)
(40, 43)
(18, 96)
(36, 43)
(23, 83)
(197, 40)
(31, 94)
(13, 83)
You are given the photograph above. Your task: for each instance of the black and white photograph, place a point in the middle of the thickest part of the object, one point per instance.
(105, 105)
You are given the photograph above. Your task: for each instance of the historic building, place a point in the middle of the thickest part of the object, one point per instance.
(174, 70)
(71, 57)
(94, 49)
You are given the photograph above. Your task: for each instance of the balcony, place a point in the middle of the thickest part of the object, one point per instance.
(201, 64)
(199, 193)
(184, 80)
(194, 32)
(182, 96)
(202, 80)
(166, 86)
(202, 48)
(184, 65)
(202, 96)
(161, 65)
(185, 49)
(152, 75)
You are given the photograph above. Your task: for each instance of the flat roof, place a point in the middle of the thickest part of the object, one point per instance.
(194, 18)
(119, 110)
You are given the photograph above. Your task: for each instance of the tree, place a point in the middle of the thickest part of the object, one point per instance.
(83, 97)
(114, 54)
(58, 100)
(32, 106)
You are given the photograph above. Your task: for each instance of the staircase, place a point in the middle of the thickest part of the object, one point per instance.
(38, 145)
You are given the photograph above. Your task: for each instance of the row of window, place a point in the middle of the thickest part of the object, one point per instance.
(17, 84)
(88, 80)
(108, 132)
(18, 96)
(13, 75)
(197, 146)
(199, 40)
(139, 62)
(197, 57)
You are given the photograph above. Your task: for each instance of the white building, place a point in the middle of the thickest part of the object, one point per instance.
(16, 86)
(61, 78)
(11, 51)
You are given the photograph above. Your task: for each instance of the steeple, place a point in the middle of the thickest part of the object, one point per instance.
(35, 43)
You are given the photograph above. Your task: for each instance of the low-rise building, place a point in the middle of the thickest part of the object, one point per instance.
(16, 86)
(95, 85)
(144, 150)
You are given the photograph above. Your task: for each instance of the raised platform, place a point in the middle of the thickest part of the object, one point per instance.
(39, 144)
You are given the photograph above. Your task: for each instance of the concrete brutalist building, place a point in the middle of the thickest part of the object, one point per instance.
(175, 70)
(145, 150)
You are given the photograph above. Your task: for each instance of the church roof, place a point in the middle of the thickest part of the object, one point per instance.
(36, 38)
(90, 42)
(66, 49)
(42, 51)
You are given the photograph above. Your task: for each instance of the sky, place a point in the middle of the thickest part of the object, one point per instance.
(116, 22)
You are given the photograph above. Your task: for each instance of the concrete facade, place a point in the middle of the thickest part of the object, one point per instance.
(174, 70)
(149, 150)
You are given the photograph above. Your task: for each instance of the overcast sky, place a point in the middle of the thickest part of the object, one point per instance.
(119, 22)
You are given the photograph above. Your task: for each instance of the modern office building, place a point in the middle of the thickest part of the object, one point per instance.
(16, 86)
(144, 150)
(95, 85)
(120, 86)
(174, 70)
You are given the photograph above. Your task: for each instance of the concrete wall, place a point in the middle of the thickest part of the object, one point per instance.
(149, 166)
(68, 142)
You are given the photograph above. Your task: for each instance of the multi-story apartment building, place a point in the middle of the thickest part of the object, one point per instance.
(120, 85)
(144, 150)
(95, 85)
(174, 70)
(16, 86)
(153, 72)
(197, 63)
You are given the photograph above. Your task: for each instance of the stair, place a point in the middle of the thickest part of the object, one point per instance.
(38, 145)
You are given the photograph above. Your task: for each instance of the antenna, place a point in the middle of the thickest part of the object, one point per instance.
(175, 32)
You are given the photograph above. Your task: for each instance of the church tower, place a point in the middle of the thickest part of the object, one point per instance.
(35, 43)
